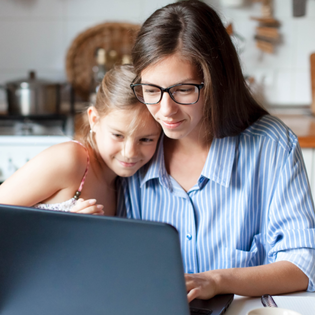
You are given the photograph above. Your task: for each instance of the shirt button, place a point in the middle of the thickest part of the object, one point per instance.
(189, 237)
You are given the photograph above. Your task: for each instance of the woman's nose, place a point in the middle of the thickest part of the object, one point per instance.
(167, 106)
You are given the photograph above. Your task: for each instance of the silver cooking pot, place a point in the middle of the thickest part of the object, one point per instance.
(32, 96)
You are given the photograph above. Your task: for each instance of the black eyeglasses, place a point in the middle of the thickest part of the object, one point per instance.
(182, 93)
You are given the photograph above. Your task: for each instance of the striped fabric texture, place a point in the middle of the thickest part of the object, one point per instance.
(252, 204)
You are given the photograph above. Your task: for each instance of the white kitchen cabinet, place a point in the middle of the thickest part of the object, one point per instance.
(15, 151)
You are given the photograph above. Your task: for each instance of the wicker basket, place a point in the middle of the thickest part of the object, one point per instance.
(116, 38)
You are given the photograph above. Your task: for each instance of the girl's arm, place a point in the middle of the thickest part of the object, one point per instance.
(48, 173)
(275, 278)
(54, 174)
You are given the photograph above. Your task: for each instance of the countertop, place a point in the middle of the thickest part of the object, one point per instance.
(300, 120)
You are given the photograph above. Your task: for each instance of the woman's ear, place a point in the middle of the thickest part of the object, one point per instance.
(93, 116)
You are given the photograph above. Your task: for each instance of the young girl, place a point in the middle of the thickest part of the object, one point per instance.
(119, 136)
(230, 177)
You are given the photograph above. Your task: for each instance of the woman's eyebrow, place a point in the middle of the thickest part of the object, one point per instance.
(181, 81)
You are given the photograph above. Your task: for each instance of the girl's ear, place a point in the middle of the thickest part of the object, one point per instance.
(93, 116)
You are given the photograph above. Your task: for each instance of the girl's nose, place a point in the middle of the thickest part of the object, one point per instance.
(130, 149)
(167, 106)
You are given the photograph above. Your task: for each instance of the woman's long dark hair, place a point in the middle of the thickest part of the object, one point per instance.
(195, 31)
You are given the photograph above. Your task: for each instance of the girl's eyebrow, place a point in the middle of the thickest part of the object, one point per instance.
(151, 135)
(144, 136)
(116, 130)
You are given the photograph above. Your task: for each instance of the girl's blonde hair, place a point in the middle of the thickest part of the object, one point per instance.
(114, 93)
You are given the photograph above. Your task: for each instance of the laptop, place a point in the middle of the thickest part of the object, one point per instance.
(59, 263)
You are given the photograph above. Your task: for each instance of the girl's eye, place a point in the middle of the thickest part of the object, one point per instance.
(118, 136)
(146, 140)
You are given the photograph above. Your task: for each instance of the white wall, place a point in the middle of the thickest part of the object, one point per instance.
(35, 34)
(285, 75)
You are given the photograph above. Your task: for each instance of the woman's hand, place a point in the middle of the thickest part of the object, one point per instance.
(201, 285)
(88, 206)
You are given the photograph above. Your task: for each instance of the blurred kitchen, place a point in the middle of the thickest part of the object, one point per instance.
(53, 45)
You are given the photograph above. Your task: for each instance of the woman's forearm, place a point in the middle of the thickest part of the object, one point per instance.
(275, 278)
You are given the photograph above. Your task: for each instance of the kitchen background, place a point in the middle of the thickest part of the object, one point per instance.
(36, 34)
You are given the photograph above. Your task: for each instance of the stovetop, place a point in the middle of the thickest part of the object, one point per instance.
(48, 125)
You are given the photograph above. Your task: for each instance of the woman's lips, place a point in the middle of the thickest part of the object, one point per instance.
(171, 125)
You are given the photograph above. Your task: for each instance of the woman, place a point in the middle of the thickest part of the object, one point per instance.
(227, 175)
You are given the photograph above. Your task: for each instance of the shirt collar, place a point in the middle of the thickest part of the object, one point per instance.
(218, 166)
(220, 160)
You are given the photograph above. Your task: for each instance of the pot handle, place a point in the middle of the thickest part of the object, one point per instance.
(3, 87)
(71, 91)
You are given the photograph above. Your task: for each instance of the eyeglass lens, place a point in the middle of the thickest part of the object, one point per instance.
(183, 94)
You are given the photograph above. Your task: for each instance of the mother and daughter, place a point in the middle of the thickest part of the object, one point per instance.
(228, 176)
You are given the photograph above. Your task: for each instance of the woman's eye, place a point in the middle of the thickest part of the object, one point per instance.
(151, 91)
(183, 90)
(187, 90)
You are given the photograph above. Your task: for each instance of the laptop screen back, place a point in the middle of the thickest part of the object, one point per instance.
(62, 263)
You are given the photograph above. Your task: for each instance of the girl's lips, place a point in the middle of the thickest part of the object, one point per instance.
(172, 125)
(125, 164)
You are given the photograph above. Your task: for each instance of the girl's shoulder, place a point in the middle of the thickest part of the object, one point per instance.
(72, 151)
(57, 169)
(70, 157)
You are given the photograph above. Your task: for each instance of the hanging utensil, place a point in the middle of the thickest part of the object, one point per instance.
(299, 8)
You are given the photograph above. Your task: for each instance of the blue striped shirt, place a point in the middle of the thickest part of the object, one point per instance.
(252, 204)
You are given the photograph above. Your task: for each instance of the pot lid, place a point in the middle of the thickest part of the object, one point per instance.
(30, 82)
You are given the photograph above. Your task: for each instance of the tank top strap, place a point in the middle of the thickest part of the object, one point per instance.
(78, 192)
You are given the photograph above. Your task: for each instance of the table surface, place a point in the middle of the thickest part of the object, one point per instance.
(241, 304)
